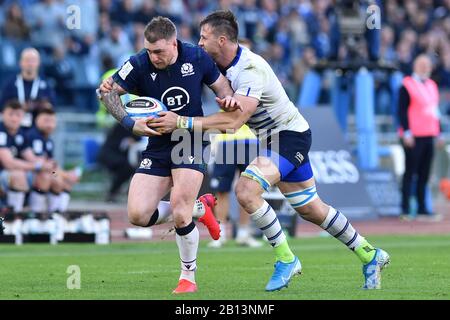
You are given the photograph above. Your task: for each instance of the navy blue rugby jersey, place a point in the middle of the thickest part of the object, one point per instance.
(16, 143)
(179, 86)
(41, 146)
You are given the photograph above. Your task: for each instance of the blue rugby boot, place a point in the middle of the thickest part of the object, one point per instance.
(372, 270)
(283, 274)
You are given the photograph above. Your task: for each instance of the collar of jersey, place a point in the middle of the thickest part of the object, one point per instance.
(236, 59)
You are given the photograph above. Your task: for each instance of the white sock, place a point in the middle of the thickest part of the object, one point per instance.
(223, 231)
(64, 199)
(199, 209)
(164, 213)
(161, 215)
(38, 201)
(266, 219)
(187, 241)
(339, 227)
(15, 199)
(53, 201)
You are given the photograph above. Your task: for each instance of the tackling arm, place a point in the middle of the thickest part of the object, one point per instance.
(228, 121)
(221, 87)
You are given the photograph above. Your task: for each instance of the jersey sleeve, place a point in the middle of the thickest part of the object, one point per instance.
(26, 141)
(3, 140)
(50, 151)
(250, 83)
(37, 146)
(210, 71)
(128, 76)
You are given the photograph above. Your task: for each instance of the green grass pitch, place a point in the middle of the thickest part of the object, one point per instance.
(419, 270)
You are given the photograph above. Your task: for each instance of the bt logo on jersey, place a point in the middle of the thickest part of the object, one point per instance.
(175, 98)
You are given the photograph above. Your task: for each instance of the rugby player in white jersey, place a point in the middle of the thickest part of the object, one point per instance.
(267, 110)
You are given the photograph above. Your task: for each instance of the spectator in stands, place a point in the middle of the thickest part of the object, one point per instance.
(297, 35)
(105, 6)
(173, 9)
(62, 181)
(318, 28)
(387, 49)
(138, 37)
(248, 16)
(77, 46)
(62, 72)
(420, 125)
(185, 33)
(28, 87)
(89, 17)
(18, 164)
(443, 72)
(123, 13)
(48, 22)
(146, 12)
(105, 25)
(117, 45)
(15, 26)
(269, 16)
(405, 56)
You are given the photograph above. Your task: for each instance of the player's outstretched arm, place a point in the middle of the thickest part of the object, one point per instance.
(224, 94)
(226, 122)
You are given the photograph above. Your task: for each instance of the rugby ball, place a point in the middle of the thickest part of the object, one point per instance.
(143, 107)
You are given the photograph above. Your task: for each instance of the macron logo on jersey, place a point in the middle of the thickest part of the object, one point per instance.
(153, 75)
(187, 69)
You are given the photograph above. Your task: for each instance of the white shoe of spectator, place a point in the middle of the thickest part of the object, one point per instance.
(249, 242)
(216, 243)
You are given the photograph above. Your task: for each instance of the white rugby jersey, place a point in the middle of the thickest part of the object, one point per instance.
(251, 75)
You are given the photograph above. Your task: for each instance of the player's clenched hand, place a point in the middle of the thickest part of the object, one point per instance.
(141, 128)
(166, 123)
(229, 104)
(106, 85)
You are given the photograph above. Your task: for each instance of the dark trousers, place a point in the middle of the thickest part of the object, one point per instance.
(120, 175)
(418, 160)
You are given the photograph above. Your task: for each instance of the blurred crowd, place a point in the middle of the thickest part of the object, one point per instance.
(293, 35)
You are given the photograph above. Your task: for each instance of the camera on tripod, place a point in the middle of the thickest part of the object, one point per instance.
(351, 21)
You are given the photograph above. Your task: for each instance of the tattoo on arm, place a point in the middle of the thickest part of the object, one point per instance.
(113, 103)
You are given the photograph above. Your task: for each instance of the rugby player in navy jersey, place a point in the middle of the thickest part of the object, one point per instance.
(19, 167)
(62, 181)
(174, 73)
